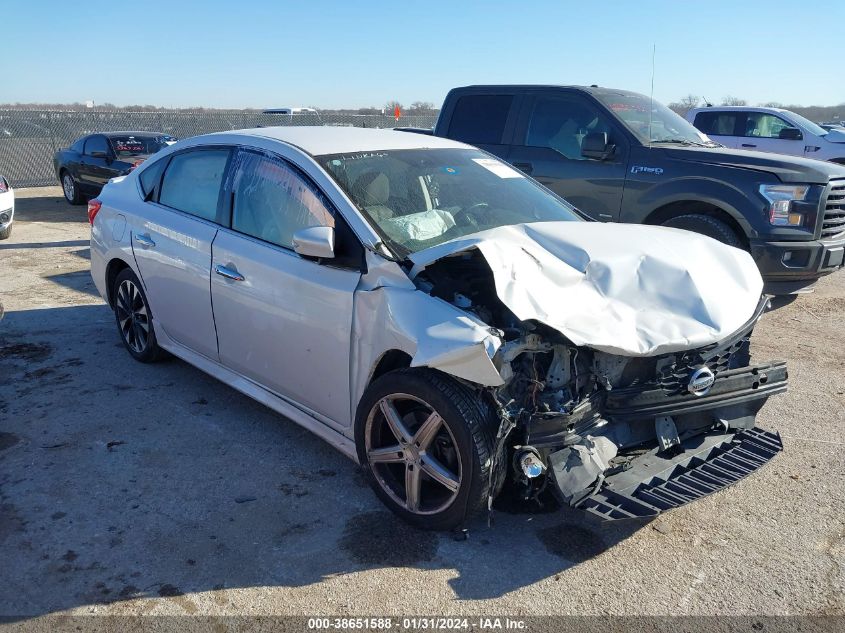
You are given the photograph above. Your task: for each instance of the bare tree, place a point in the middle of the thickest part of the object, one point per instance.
(421, 107)
(733, 101)
(690, 101)
(390, 107)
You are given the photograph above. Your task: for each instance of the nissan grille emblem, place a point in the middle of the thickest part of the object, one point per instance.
(701, 381)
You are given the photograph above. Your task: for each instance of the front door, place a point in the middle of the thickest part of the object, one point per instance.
(95, 164)
(283, 321)
(547, 147)
(762, 134)
(172, 245)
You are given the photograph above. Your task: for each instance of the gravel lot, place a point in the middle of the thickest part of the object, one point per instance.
(154, 489)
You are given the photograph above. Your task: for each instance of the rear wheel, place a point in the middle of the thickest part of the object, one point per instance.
(71, 188)
(134, 319)
(706, 225)
(426, 443)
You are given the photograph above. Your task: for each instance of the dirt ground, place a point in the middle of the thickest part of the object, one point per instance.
(154, 489)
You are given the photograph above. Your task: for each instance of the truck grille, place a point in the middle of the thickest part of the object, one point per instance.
(833, 223)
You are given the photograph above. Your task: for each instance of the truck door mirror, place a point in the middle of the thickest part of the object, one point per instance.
(790, 134)
(596, 145)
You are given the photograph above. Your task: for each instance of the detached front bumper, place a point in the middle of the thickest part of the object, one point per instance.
(719, 445)
(791, 267)
(706, 464)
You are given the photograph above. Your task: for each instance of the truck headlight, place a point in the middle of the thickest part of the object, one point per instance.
(781, 198)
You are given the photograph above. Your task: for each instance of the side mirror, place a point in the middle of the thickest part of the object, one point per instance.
(97, 154)
(314, 241)
(596, 145)
(790, 134)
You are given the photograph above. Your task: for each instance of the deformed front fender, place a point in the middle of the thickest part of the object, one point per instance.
(432, 332)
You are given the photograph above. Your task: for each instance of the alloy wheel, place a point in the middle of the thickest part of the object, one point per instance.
(132, 316)
(68, 186)
(413, 454)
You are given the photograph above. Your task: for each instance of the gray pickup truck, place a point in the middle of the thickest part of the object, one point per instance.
(619, 156)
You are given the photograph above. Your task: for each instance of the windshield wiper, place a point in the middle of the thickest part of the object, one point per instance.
(684, 141)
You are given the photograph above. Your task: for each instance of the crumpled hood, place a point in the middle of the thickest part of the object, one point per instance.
(786, 168)
(624, 289)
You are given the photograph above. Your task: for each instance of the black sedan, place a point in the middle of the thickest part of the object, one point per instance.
(88, 164)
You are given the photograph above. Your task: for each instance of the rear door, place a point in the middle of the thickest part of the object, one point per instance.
(484, 120)
(722, 126)
(283, 320)
(547, 146)
(172, 243)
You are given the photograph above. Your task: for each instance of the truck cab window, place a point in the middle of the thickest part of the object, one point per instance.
(480, 118)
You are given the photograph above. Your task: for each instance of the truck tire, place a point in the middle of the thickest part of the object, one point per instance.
(706, 225)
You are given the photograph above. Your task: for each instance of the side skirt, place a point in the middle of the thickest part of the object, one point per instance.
(259, 393)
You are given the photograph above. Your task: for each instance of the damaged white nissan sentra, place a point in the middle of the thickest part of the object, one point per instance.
(442, 319)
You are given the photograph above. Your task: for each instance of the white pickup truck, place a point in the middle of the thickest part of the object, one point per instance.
(769, 130)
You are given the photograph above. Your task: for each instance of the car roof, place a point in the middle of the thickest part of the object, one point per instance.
(593, 89)
(130, 133)
(319, 140)
(741, 109)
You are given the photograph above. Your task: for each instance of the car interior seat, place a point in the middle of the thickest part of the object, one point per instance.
(372, 189)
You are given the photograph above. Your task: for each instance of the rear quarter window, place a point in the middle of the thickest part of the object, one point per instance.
(480, 118)
(150, 179)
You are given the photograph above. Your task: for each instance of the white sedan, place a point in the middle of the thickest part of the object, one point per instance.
(442, 319)
(7, 208)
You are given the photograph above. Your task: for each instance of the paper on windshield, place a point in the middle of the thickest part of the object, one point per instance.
(497, 167)
(624, 289)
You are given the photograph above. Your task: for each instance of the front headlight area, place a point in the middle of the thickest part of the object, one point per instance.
(788, 205)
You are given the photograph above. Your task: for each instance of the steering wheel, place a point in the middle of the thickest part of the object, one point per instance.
(463, 217)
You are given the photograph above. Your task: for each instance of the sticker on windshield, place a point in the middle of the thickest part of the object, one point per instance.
(450, 170)
(500, 169)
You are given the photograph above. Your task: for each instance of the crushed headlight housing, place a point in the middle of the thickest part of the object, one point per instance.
(781, 198)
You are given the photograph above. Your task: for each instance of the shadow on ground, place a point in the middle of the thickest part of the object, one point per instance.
(48, 209)
(120, 480)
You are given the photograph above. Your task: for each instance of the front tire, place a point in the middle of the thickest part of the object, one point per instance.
(134, 319)
(71, 189)
(5, 233)
(706, 225)
(426, 444)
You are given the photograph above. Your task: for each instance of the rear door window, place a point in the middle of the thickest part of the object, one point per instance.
(193, 180)
(717, 123)
(480, 119)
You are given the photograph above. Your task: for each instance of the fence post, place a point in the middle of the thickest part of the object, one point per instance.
(52, 132)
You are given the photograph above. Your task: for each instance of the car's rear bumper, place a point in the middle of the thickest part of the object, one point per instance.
(791, 267)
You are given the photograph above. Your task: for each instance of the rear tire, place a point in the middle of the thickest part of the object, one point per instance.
(134, 318)
(439, 443)
(71, 188)
(706, 225)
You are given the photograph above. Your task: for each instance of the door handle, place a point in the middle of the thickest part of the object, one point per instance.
(228, 273)
(524, 167)
(748, 145)
(145, 240)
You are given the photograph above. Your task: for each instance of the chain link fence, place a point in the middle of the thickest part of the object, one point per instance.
(30, 138)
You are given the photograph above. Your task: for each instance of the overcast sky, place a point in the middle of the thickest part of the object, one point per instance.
(243, 53)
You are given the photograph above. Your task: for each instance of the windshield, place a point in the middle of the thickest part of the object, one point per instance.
(138, 145)
(423, 197)
(808, 125)
(662, 126)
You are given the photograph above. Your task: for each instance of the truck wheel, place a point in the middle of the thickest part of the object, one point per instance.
(706, 225)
